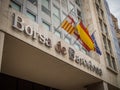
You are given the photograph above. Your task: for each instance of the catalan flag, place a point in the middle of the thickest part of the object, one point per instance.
(85, 37)
(68, 25)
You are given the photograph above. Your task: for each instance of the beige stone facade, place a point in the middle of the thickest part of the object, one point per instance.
(28, 51)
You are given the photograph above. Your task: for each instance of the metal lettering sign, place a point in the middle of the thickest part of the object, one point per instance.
(29, 31)
(19, 25)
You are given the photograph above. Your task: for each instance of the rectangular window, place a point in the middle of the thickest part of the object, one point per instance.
(77, 46)
(102, 14)
(46, 26)
(63, 16)
(46, 6)
(109, 45)
(105, 29)
(101, 26)
(71, 6)
(56, 16)
(34, 2)
(79, 15)
(58, 34)
(114, 64)
(46, 3)
(64, 4)
(84, 50)
(108, 60)
(77, 2)
(67, 40)
(31, 16)
(97, 8)
(105, 43)
(15, 6)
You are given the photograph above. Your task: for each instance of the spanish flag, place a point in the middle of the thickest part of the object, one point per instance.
(68, 25)
(85, 37)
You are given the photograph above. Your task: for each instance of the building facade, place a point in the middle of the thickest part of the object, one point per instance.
(37, 55)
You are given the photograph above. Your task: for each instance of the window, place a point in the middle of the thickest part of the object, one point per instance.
(15, 6)
(111, 62)
(84, 50)
(79, 15)
(31, 16)
(105, 29)
(34, 2)
(46, 26)
(67, 40)
(77, 2)
(114, 64)
(102, 14)
(109, 45)
(108, 59)
(57, 1)
(101, 26)
(56, 16)
(77, 46)
(70, 6)
(105, 43)
(64, 4)
(99, 1)
(46, 6)
(97, 8)
(46, 3)
(57, 33)
(63, 16)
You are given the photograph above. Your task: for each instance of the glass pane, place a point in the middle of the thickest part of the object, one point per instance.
(64, 4)
(31, 16)
(34, 2)
(77, 46)
(63, 16)
(109, 45)
(114, 64)
(70, 6)
(67, 40)
(45, 3)
(84, 51)
(56, 11)
(77, 2)
(56, 16)
(108, 60)
(46, 26)
(57, 34)
(15, 6)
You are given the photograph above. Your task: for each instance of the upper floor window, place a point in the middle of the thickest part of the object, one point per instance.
(46, 3)
(56, 16)
(15, 6)
(46, 6)
(63, 16)
(57, 33)
(79, 15)
(105, 29)
(105, 42)
(77, 2)
(67, 39)
(64, 4)
(34, 2)
(31, 16)
(71, 6)
(46, 26)
(77, 46)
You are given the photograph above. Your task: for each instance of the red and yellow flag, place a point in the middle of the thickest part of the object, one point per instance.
(85, 37)
(68, 25)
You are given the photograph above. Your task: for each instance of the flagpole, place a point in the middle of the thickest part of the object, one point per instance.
(64, 19)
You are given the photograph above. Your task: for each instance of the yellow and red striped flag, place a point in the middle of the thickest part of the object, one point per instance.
(85, 37)
(68, 25)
